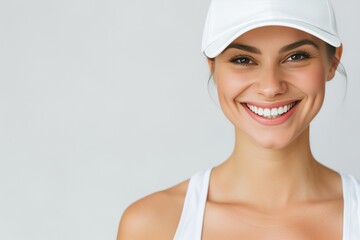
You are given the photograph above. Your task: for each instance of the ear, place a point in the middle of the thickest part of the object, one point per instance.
(335, 63)
(211, 63)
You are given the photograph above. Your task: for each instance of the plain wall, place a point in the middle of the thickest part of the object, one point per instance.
(104, 102)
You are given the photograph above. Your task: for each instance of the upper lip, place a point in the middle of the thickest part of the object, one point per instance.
(272, 104)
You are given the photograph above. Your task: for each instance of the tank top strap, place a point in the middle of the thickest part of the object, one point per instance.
(192, 216)
(351, 196)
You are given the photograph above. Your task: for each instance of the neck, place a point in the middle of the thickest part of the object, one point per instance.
(272, 177)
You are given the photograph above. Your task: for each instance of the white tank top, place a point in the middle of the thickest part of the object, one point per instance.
(191, 221)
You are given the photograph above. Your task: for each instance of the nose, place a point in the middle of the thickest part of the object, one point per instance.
(270, 83)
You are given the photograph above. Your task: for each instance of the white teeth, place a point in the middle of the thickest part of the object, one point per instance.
(274, 112)
(260, 112)
(271, 113)
(267, 112)
(280, 110)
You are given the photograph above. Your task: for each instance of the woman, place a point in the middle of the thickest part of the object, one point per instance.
(270, 61)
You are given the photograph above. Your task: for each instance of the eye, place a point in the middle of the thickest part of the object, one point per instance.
(242, 60)
(296, 57)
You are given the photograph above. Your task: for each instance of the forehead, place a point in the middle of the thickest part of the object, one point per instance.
(277, 35)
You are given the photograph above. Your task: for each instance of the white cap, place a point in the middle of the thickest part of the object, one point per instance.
(228, 19)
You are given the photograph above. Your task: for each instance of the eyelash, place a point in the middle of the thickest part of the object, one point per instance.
(238, 58)
(303, 56)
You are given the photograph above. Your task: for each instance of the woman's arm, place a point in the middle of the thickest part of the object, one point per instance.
(136, 222)
(153, 217)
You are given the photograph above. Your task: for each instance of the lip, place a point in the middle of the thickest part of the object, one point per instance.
(271, 121)
(271, 105)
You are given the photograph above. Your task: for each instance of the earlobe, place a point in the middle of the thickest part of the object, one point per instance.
(335, 63)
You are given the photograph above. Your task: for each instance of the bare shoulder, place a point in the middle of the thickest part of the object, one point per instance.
(155, 216)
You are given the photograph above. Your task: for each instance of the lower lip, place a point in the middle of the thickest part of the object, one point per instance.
(271, 121)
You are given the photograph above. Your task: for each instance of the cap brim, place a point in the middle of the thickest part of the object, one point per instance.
(216, 47)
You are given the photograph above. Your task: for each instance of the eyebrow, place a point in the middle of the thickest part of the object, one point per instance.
(244, 47)
(299, 44)
(283, 49)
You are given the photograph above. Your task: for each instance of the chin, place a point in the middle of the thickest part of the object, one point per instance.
(272, 142)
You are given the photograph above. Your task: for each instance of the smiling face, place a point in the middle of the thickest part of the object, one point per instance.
(271, 83)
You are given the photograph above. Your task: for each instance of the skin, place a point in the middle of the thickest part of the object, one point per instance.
(271, 186)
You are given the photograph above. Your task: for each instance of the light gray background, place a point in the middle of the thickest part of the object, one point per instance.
(103, 102)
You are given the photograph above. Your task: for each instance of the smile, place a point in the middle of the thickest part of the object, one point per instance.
(271, 113)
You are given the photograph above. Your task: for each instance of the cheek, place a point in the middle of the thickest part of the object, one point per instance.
(311, 81)
(231, 84)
